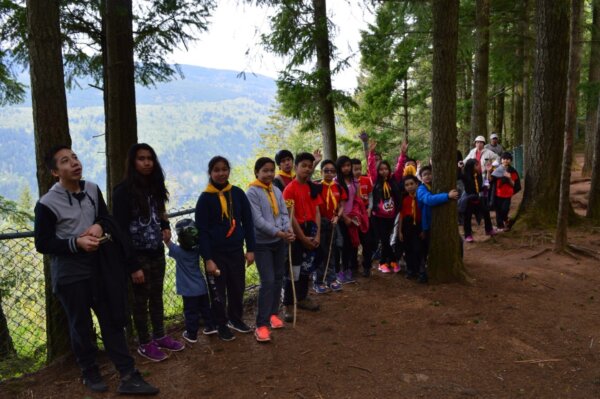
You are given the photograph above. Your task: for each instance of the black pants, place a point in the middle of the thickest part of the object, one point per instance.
(77, 299)
(271, 264)
(193, 307)
(502, 209)
(148, 297)
(230, 286)
(472, 209)
(348, 252)
(383, 230)
(413, 247)
(367, 241)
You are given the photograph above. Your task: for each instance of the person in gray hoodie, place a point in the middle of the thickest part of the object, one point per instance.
(273, 231)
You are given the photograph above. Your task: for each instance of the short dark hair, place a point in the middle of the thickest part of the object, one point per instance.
(424, 168)
(260, 162)
(409, 160)
(411, 177)
(506, 155)
(283, 154)
(49, 159)
(303, 156)
(355, 161)
(327, 162)
(215, 160)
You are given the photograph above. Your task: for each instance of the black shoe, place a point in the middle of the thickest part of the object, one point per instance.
(240, 326)
(410, 276)
(210, 330)
(94, 382)
(288, 314)
(308, 304)
(134, 384)
(423, 279)
(225, 334)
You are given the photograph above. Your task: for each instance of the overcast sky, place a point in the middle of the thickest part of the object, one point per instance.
(235, 30)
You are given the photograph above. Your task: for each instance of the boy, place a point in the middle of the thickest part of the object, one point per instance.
(426, 200)
(306, 224)
(66, 228)
(189, 281)
(507, 183)
(409, 227)
(285, 161)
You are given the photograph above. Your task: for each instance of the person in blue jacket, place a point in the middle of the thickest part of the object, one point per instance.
(426, 200)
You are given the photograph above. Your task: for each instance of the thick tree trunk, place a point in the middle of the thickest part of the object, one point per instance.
(480, 82)
(594, 91)
(405, 105)
(593, 211)
(323, 48)
(51, 127)
(560, 238)
(466, 140)
(499, 115)
(525, 32)
(7, 347)
(544, 154)
(445, 261)
(121, 120)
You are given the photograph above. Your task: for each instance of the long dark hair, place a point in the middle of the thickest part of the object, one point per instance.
(470, 168)
(386, 163)
(338, 167)
(142, 187)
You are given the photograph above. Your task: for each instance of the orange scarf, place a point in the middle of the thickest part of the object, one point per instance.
(330, 194)
(387, 190)
(270, 195)
(413, 197)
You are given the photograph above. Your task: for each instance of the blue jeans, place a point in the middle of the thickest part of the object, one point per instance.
(193, 307)
(271, 262)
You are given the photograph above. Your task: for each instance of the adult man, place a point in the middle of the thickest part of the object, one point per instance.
(69, 224)
(495, 145)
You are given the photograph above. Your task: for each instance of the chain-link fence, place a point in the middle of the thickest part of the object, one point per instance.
(23, 307)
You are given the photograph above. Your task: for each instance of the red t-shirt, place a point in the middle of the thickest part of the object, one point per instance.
(327, 209)
(305, 208)
(505, 190)
(365, 187)
(407, 207)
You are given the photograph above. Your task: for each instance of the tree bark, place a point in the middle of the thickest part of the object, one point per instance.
(593, 91)
(499, 115)
(7, 347)
(51, 127)
(445, 261)
(405, 105)
(121, 120)
(481, 74)
(560, 237)
(525, 32)
(544, 154)
(593, 211)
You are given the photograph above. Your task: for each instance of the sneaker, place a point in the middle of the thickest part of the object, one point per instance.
(93, 381)
(189, 337)
(276, 322)
(349, 278)
(209, 330)
(151, 352)
(335, 286)
(134, 384)
(288, 313)
(491, 233)
(395, 267)
(225, 334)
(469, 239)
(341, 278)
(320, 288)
(169, 343)
(384, 268)
(308, 304)
(239, 326)
(262, 334)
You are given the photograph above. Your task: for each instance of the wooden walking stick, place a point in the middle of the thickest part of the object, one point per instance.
(329, 253)
(290, 205)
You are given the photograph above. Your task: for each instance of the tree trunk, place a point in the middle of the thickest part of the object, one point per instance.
(499, 116)
(121, 120)
(51, 127)
(525, 32)
(445, 261)
(560, 238)
(593, 91)
(466, 140)
(544, 154)
(323, 48)
(7, 347)
(480, 82)
(593, 211)
(405, 105)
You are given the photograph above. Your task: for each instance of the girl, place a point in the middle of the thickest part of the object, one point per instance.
(224, 221)
(273, 231)
(475, 199)
(345, 179)
(139, 207)
(386, 201)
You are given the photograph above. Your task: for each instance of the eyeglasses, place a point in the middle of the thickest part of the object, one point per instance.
(328, 171)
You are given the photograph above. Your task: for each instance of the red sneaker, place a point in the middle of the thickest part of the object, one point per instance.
(276, 322)
(262, 334)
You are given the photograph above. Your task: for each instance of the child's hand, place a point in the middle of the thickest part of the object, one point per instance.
(94, 230)
(372, 145)
(138, 277)
(318, 156)
(88, 243)
(461, 164)
(335, 220)
(404, 147)
(363, 136)
(249, 258)
(400, 236)
(453, 194)
(166, 233)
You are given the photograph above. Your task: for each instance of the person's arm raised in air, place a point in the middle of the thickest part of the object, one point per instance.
(399, 171)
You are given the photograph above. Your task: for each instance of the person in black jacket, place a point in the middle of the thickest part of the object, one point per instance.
(476, 199)
(69, 227)
(139, 205)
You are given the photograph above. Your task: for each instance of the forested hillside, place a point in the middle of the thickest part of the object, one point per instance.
(189, 120)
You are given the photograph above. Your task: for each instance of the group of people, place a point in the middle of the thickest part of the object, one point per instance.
(302, 233)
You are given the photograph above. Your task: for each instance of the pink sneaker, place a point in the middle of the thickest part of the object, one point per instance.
(395, 267)
(151, 352)
(384, 268)
(491, 233)
(469, 239)
(169, 343)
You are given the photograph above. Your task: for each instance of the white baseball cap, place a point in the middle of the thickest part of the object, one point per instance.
(494, 136)
(479, 138)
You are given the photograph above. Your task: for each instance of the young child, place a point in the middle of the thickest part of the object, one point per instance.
(273, 232)
(333, 198)
(189, 281)
(68, 228)
(409, 227)
(365, 192)
(139, 205)
(224, 222)
(386, 202)
(425, 201)
(505, 183)
(476, 199)
(306, 223)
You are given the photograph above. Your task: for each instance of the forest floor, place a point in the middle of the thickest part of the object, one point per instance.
(526, 326)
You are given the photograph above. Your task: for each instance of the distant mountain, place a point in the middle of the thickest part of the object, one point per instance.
(187, 121)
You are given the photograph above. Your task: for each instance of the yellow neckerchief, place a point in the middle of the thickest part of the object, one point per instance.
(270, 195)
(330, 194)
(409, 170)
(476, 182)
(285, 174)
(387, 190)
(428, 186)
(413, 197)
(213, 190)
